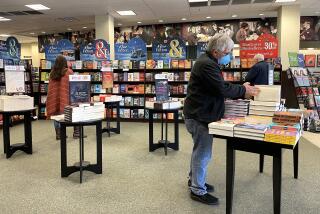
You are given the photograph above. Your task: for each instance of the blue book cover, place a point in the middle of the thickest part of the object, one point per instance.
(162, 89)
(301, 60)
(79, 92)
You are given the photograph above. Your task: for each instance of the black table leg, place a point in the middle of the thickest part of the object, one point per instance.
(166, 140)
(230, 176)
(63, 145)
(118, 118)
(296, 160)
(277, 171)
(6, 133)
(108, 121)
(161, 128)
(176, 131)
(81, 153)
(28, 132)
(151, 131)
(261, 163)
(99, 148)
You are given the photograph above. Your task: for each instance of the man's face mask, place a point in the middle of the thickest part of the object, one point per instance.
(224, 60)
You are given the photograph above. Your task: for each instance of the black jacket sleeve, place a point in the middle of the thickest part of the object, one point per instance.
(213, 80)
(252, 74)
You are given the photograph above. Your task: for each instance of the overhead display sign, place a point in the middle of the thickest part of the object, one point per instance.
(201, 48)
(99, 50)
(63, 47)
(10, 50)
(169, 49)
(135, 49)
(266, 44)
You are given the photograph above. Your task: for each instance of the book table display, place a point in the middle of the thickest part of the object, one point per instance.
(243, 136)
(81, 165)
(110, 105)
(26, 147)
(164, 143)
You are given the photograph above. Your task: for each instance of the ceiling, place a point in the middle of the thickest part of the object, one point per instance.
(82, 13)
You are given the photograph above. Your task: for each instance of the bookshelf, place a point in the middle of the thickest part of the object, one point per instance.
(135, 82)
(29, 86)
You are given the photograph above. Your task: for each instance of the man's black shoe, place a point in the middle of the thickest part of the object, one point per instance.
(210, 188)
(206, 198)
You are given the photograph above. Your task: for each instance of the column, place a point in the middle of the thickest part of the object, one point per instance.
(288, 32)
(104, 26)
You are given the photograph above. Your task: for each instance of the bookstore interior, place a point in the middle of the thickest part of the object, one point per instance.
(95, 82)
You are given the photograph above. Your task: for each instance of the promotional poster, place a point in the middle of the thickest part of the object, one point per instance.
(201, 48)
(63, 47)
(162, 87)
(169, 49)
(135, 49)
(10, 50)
(79, 89)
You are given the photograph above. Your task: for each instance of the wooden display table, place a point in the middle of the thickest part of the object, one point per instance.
(164, 143)
(81, 165)
(263, 148)
(26, 147)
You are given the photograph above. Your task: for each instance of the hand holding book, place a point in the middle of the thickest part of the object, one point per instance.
(251, 90)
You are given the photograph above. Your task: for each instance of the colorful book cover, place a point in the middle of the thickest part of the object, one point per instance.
(166, 63)
(162, 89)
(318, 60)
(310, 60)
(181, 64)
(142, 65)
(188, 63)
(107, 79)
(151, 64)
(293, 59)
(141, 76)
(174, 63)
(244, 63)
(301, 60)
(115, 89)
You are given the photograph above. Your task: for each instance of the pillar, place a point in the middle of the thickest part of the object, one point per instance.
(104, 26)
(288, 32)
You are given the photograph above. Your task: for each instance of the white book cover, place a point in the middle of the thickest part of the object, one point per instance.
(249, 137)
(261, 113)
(265, 108)
(160, 64)
(1, 63)
(221, 132)
(136, 76)
(221, 125)
(263, 103)
(130, 77)
(78, 64)
(269, 93)
(249, 134)
(170, 77)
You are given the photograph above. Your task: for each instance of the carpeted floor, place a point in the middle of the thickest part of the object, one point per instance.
(136, 181)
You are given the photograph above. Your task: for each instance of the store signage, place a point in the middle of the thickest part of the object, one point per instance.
(169, 49)
(63, 47)
(10, 50)
(266, 44)
(79, 88)
(162, 87)
(201, 48)
(135, 49)
(101, 50)
(14, 78)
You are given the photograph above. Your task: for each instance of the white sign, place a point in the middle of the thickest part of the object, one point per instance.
(14, 77)
(77, 78)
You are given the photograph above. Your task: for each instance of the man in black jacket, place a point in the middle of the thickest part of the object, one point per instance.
(258, 74)
(205, 104)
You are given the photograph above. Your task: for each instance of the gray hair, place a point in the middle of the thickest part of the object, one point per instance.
(220, 42)
(259, 57)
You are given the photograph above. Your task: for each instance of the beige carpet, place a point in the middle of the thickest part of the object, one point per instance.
(136, 181)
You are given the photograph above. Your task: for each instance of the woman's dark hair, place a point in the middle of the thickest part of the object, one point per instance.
(244, 25)
(59, 69)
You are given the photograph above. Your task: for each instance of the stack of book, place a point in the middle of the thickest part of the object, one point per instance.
(84, 112)
(288, 118)
(163, 105)
(250, 131)
(221, 128)
(236, 108)
(267, 102)
(282, 136)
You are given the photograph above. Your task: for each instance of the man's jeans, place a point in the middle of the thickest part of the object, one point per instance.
(201, 155)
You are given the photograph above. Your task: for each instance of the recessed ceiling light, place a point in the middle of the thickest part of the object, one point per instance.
(32, 33)
(197, 0)
(69, 29)
(119, 24)
(284, 1)
(208, 17)
(261, 14)
(317, 12)
(37, 7)
(84, 27)
(2, 19)
(139, 22)
(126, 13)
(4, 35)
(160, 20)
(183, 19)
(234, 16)
(43, 32)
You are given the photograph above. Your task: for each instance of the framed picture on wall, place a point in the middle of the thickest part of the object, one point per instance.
(310, 60)
(318, 60)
